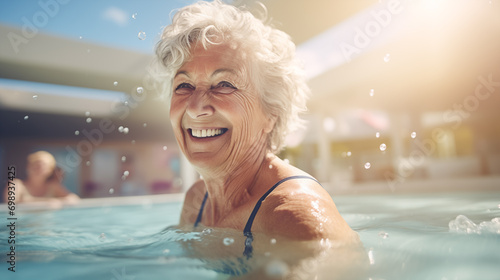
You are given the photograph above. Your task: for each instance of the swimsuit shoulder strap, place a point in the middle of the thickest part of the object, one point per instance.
(247, 231)
(200, 214)
(248, 226)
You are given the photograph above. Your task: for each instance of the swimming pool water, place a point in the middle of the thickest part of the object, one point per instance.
(410, 236)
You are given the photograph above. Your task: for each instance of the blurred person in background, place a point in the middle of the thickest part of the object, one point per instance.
(43, 182)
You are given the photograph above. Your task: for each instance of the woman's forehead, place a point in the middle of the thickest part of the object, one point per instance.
(216, 59)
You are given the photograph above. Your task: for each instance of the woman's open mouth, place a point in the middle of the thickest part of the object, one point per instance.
(205, 133)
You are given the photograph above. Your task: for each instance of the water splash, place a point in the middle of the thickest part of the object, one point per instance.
(140, 90)
(348, 153)
(377, 134)
(26, 117)
(134, 16)
(77, 132)
(383, 235)
(115, 83)
(462, 224)
(125, 130)
(368, 165)
(413, 135)
(111, 191)
(207, 231)
(88, 120)
(164, 148)
(124, 158)
(35, 97)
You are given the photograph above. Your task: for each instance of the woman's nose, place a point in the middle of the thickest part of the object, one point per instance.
(199, 105)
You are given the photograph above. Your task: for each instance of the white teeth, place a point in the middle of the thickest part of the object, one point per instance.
(201, 133)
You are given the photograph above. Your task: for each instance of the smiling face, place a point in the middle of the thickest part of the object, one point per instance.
(215, 111)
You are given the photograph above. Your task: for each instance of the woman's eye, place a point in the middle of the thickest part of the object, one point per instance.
(184, 88)
(224, 87)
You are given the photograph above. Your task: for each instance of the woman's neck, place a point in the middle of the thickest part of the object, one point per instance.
(35, 182)
(235, 187)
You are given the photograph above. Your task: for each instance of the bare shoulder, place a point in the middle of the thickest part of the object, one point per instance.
(192, 203)
(301, 209)
(19, 190)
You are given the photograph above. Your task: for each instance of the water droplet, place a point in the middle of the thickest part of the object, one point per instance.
(124, 158)
(387, 57)
(228, 241)
(377, 134)
(134, 16)
(273, 147)
(383, 147)
(125, 103)
(270, 166)
(88, 120)
(77, 132)
(273, 241)
(87, 114)
(349, 153)
(287, 161)
(111, 191)
(372, 92)
(140, 90)
(120, 128)
(368, 165)
(125, 130)
(126, 173)
(133, 142)
(87, 163)
(88, 50)
(267, 254)
(413, 134)
(26, 117)
(166, 251)
(144, 124)
(164, 148)
(35, 97)
(115, 83)
(141, 35)
(102, 237)
(207, 231)
(383, 235)
(81, 37)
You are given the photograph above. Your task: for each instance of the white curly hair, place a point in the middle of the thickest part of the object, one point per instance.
(277, 76)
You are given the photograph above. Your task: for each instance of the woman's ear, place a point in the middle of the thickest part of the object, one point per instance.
(271, 121)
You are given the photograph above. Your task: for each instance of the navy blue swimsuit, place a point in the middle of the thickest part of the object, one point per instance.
(247, 230)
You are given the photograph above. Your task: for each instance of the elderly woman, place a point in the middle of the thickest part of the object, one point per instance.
(236, 91)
